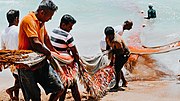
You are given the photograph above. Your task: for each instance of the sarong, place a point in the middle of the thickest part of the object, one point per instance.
(96, 75)
(68, 68)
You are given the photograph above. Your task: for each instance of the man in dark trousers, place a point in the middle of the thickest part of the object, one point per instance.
(119, 54)
(33, 36)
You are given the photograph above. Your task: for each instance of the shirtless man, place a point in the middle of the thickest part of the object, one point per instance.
(127, 25)
(119, 29)
(120, 54)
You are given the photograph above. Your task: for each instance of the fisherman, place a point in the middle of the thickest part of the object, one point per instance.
(119, 29)
(127, 25)
(120, 54)
(9, 41)
(151, 12)
(63, 41)
(33, 36)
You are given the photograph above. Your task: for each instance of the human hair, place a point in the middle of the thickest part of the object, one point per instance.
(12, 15)
(150, 6)
(109, 30)
(47, 4)
(67, 19)
(128, 22)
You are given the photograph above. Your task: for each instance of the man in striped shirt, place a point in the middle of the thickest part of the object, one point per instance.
(63, 41)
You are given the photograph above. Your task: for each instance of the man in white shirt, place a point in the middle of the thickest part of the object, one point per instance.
(9, 37)
(127, 25)
(9, 41)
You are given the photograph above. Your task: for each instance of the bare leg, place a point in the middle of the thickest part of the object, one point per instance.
(116, 87)
(62, 97)
(16, 88)
(124, 84)
(55, 96)
(117, 80)
(9, 91)
(75, 92)
(16, 92)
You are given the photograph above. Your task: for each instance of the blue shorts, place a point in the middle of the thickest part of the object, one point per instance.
(45, 76)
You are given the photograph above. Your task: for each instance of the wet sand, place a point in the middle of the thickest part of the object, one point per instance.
(147, 91)
(136, 91)
(146, 82)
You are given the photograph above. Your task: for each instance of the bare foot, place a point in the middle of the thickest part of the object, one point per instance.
(114, 89)
(15, 99)
(124, 84)
(10, 93)
(121, 89)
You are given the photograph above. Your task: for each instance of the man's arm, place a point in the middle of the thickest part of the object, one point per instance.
(49, 44)
(75, 54)
(37, 46)
(107, 45)
(154, 13)
(2, 45)
(149, 15)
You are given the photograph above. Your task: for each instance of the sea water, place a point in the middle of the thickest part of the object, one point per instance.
(94, 15)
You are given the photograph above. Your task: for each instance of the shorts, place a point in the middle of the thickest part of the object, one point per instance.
(120, 60)
(45, 76)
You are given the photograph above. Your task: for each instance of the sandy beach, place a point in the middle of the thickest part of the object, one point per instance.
(136, 91)
(147, 91)
(146, 82)
(166, 89)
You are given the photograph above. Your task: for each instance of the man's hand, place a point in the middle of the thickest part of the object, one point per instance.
(111, 63)
(53, 63)
(23, 66)
(1, 69)
(48, 56)
(57, 52)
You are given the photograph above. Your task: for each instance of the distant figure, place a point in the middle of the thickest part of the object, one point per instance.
(151, 12)
(9, 41)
